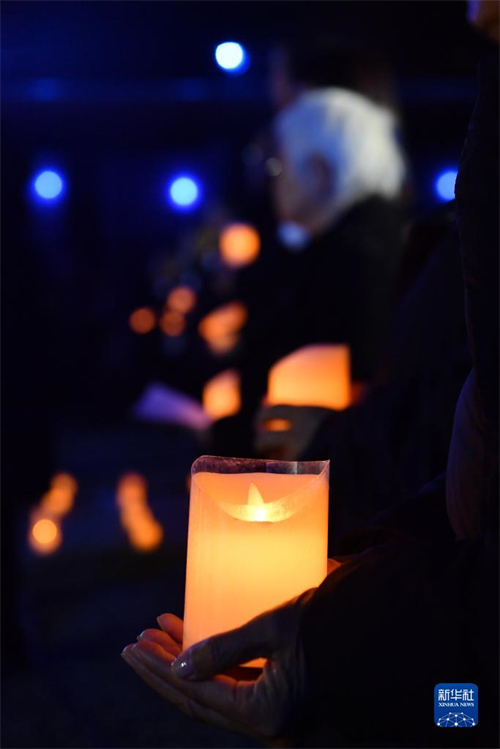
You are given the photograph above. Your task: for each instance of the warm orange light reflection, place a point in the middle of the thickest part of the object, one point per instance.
(182, 299)
(60, 498)
(239, 245)
(143, 320)
(172, 323)
(144, 532)
(276, 425)
(221, 394)
(316, 375)
(45, 535)
(220, 328)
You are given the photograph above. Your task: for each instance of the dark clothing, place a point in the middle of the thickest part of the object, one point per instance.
(340, 289)
(398, 438)
(411, 611)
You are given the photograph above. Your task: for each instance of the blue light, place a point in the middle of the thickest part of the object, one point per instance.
(184, 192)
(48, 184)
(445, 184)
(231, 57)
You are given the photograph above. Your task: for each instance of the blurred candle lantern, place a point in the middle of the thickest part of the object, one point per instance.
(316, 375)
(182, 299)
(221, 395)
(239, 245)
(144, 532)
(142, 321)
(220, 327)
(45, 535)
(257, 538)
(173, 323)
(59, 499)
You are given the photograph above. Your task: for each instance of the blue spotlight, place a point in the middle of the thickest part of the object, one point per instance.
(184, 192)
(445, 184)
(231, 57)
(48, 184)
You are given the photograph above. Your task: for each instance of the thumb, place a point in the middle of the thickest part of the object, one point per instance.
(222, 652)
(262, 637)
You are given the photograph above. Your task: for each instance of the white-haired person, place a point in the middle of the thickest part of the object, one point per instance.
(338, 195)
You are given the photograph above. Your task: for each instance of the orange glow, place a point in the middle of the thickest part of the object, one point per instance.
(277, 425)
(142, 321)
(221, 394)
(172, 323)
(60, 498)
(220, 328)
(45, 536)
(239, 245)
(224, 344)
(182, 299)
(144, 532)
(317, 375)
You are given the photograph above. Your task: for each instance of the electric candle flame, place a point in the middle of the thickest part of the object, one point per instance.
(256, 500)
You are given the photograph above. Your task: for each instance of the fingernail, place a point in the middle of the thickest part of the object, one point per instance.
(139, 637)
(183, 665)
(126, 650)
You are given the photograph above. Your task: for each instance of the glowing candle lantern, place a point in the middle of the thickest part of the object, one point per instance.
(257, 538)
(144, 532)
(45, 535)
(239, 245)
(59, 499)
(316, 375)
(182, 299)
(221, 395)
(220, 327)
(142, 321)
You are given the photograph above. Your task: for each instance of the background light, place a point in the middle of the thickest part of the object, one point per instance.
(231, 56)
(184, 192)
(445, 184)
(142, 321)
(48, 184)
(239, 245)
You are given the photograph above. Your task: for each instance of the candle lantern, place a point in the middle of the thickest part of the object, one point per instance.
(257, 538)
(221, 395)
(316, 375)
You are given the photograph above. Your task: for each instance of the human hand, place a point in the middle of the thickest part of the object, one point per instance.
(262, 707)
(292, 431)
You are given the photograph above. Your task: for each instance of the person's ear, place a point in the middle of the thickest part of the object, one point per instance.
(320, 178)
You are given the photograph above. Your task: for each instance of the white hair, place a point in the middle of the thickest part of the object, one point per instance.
(355, 136)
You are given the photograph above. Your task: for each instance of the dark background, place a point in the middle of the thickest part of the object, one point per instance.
(119, 96)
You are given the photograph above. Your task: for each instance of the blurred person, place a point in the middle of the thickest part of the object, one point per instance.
(339, 172)
(356, 661)
(396, 437)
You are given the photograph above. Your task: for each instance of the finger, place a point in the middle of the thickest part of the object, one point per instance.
(332, 564)
(172, 626)
(221, 694)
(162, 639)
(181, 701)
(220, 653)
